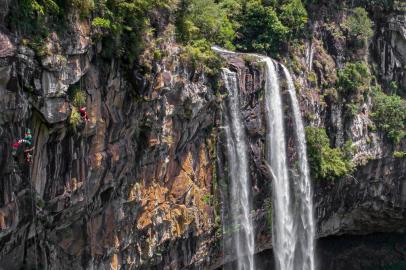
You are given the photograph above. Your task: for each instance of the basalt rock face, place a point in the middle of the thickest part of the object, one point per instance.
(125, 190)
(389, 47)
(142, 185)
(372, 200)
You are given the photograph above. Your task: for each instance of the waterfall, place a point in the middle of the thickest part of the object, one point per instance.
(309, 54)
(284, 238)
(305, 228)
(293, 228)
(293, 223)
(239, 177)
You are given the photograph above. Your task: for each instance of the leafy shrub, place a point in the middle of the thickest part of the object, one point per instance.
(354, 79)
(126, 23)
(393, 86)
(205, 19)
(201, 24)
(325, 162)
(389, 114)
(200, 56)
(249, 25)
(399, 154)
(261, 28)
(77, 97)
(39, 46)
(101, 22)
(74, 119)
(294, 16)
(28, 16)
(266, 25)
(358, 26)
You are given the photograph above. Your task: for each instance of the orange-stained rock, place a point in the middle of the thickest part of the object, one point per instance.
(2, 222)
(183, 182)
(114, 262)
(97, 160)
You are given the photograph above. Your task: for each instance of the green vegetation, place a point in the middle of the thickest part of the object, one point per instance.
(248, 25)
(101, 22)
(354, 79)
(200, 55)
(261, 28)
(353, 85)
(74, 118)
(33, 17)
(205, 21)
(29, 16)
(208, 199)
(123, 26)
(390, 115)
(399, 154)
(266, 25)
(326, 162)
(201, 24)
(393, 86)
(78, 97)
(358, 26)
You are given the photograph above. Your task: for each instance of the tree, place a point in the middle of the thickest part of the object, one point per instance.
(358, 26)
(205, 20)
(261, 30)
(267, 25)
(325, 162)
(354, 78)
(390, 115)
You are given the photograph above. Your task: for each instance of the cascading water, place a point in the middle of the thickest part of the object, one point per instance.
(284, 238)
(293, 223)
(239, 177)
(293, 230)
(305, 227)
(309, 54)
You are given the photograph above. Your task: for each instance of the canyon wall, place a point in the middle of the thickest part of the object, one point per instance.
(143, 184)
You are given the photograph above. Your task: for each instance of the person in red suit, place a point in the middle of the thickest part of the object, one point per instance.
(84, 114)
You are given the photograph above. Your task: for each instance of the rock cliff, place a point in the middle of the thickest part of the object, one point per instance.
(143, 184)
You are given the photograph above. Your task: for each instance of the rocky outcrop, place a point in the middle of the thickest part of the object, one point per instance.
(128, 189)
(372, 200)
(390, 48)
(143, 184)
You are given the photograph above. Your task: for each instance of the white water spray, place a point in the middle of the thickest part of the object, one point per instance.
(239, 177)
(284, 240)
(293, 228)
(293, 223)
(305, 228)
